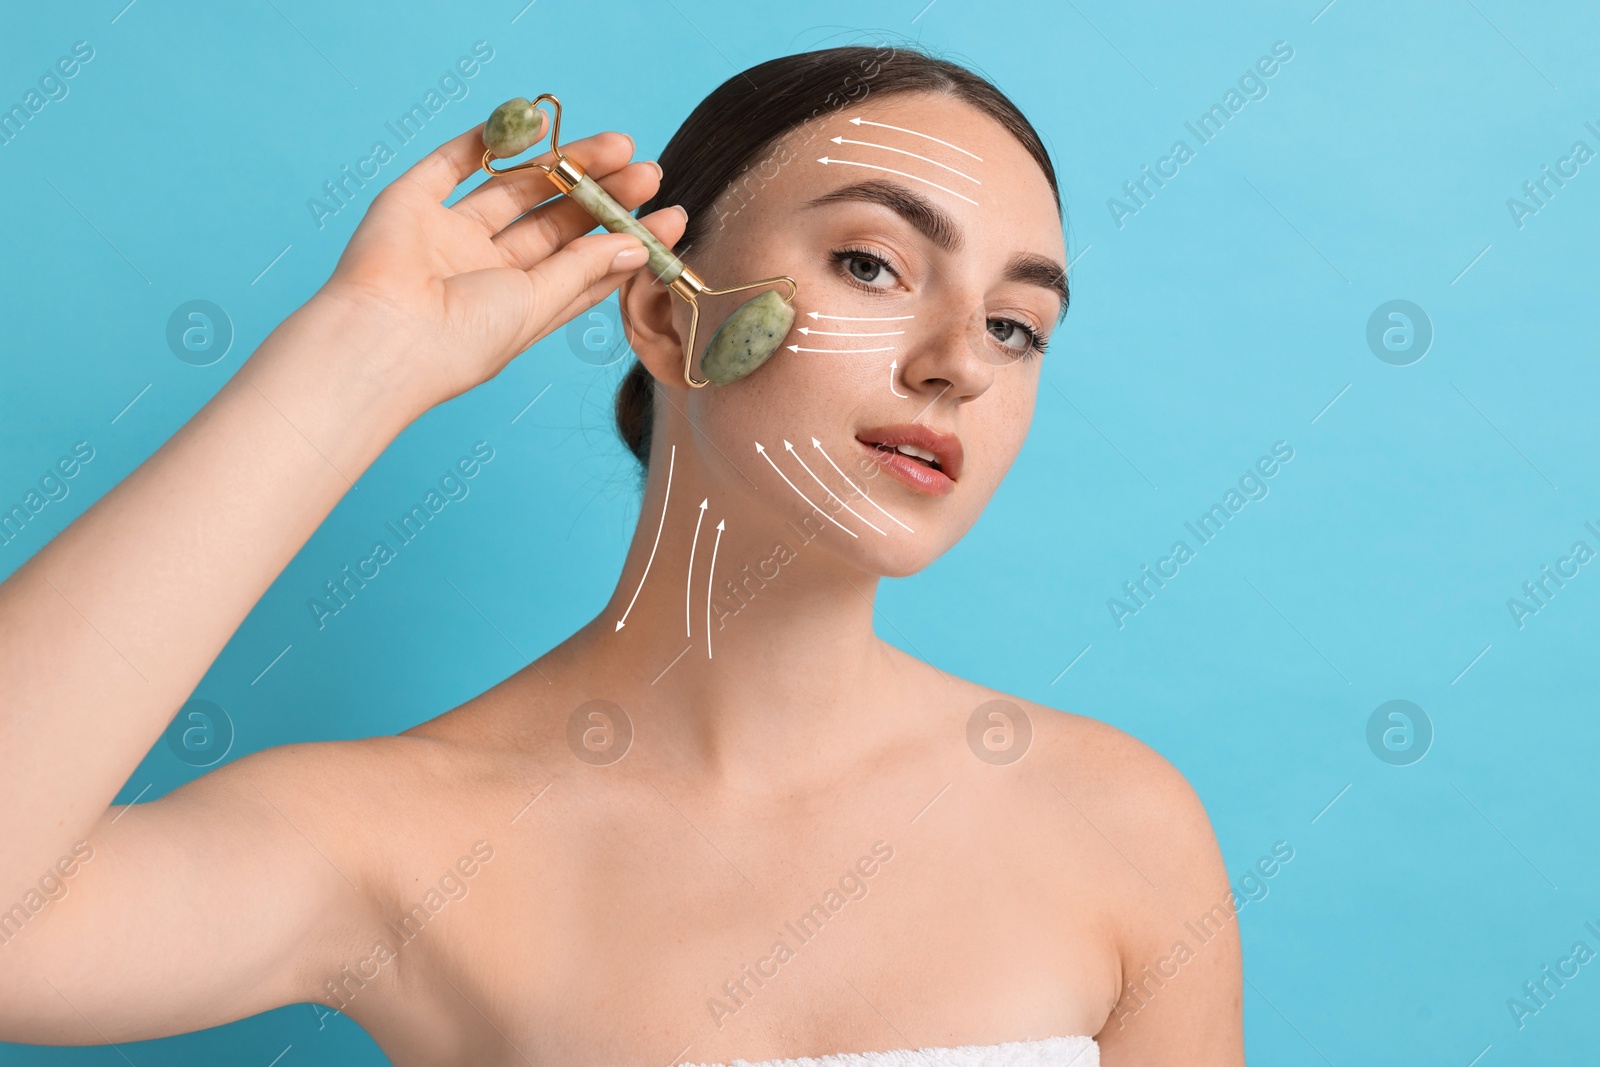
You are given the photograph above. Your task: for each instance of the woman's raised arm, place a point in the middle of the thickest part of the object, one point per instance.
(106, 631)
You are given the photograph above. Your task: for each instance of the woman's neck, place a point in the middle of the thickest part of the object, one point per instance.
(789, 662)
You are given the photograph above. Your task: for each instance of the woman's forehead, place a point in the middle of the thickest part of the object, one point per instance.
(931, 148)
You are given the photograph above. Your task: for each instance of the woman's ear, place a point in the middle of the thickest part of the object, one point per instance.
(655, 325)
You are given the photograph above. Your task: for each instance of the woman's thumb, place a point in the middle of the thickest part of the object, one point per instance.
(582, 263)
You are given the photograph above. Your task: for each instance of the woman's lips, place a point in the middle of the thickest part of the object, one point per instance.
(916, 474)
(935, 479)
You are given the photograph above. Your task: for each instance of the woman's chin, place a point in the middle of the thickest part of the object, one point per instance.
(897, 561)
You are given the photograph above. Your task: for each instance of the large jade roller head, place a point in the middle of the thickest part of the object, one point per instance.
(745, 339)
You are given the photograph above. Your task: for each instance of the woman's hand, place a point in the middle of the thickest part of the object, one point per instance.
(462, 290)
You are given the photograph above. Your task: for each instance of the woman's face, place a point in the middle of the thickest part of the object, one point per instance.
(928, 253)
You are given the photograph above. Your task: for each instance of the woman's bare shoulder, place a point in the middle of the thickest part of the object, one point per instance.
(1093, 751)
(1130, 793)
(518, 720)
(1164, 879)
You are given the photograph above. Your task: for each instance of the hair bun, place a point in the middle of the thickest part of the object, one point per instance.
(635, 398)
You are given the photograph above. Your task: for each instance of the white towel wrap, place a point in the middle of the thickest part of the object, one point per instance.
(1044, 1052)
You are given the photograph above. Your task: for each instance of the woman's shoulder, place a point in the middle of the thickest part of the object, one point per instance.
(1095, 753)
(1129, 794)
(512, 725)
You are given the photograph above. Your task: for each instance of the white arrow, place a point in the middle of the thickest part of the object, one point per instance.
(670, 461)
(808, 331)
(796, 488)
(873, 166)
(838, 351)
(914, 133)
(893, 363)
(853, 485)
(903, 152)
(863, 318)
(688, 581)
(825, 489)
(710, 578)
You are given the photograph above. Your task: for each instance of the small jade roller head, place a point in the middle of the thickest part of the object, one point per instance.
(746, 338)
(513, 128)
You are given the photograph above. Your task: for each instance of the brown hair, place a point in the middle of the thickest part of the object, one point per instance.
(743, 117)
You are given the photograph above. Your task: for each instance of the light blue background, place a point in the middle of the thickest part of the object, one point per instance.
(1223, 317)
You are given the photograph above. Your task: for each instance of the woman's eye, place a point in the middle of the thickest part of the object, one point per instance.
(1011, 334)
(865, 269)
(868, 270)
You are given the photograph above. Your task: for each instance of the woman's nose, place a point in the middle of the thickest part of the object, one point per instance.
(949, 353)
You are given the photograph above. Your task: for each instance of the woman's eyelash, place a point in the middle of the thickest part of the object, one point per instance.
(1036, 343)
(842, 256)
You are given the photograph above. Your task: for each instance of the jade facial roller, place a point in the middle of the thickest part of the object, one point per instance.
(745, 339)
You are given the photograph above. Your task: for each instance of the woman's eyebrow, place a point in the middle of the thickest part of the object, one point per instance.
(930, 220)
(934, 223)
(1042, 271)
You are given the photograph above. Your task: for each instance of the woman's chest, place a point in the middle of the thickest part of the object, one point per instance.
(677, 936)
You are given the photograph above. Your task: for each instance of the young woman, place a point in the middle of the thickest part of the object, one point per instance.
(722, 821)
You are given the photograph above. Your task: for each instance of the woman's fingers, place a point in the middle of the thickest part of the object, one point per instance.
(499, 200)
(583, 272)
(562, 282)
(438, 173)
(667, 224)
(558, 280)
(549, 226)
(547, 266)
